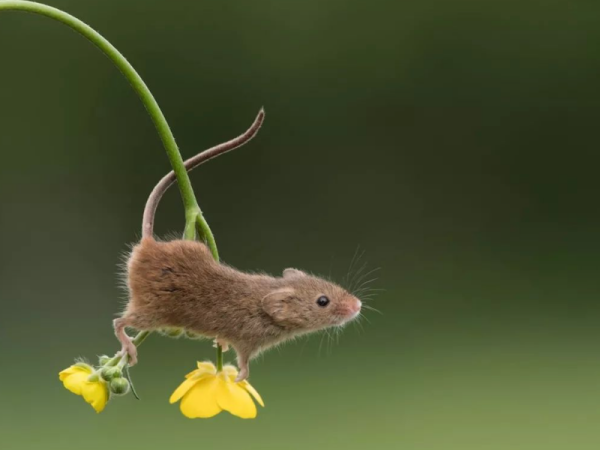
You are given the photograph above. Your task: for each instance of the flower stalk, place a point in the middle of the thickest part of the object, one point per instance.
(195, 220)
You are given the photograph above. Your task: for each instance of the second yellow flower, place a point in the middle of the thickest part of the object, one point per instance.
(206, 392)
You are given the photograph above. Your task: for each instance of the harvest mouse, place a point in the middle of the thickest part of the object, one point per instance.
(178, 284)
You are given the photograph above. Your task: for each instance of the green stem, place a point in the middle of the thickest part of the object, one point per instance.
(140, 338)
(193, 213)
(219, 358)
(189, 231)
(205, 232)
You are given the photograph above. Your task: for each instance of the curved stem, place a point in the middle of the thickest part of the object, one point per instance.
(138, 85)
(192, 210)
(204, 231)
(189, 232)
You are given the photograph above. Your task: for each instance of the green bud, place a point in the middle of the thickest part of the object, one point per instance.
(119, 386)
(103, 359)
(109, 373)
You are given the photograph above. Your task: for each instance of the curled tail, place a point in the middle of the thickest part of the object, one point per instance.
(190, 164)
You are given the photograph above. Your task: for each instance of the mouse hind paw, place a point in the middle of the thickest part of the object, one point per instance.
(130, 350)
(127, 345)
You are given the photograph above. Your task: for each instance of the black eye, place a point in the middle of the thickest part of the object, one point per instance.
(322, 301)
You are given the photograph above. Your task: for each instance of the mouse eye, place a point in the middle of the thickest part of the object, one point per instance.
(322, 301)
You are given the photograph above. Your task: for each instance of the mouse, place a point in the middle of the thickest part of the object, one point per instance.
(178, 284)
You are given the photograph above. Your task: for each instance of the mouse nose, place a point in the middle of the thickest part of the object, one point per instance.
(349, 308)
(353, 307)
(356, 306)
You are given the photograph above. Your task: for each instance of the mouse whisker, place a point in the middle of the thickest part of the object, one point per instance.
(306, 340)
(329, 343)
(321, 342)
(366, 274)
(338, 335)
(365, 292)
(359, 281)
(358, 254)
(370, 308)
(357, 275)
(346, 277)
(366, 318)
(355, 270)
(366, 283)
(358, 325)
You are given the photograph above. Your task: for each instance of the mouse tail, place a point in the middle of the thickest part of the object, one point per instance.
(190, 164)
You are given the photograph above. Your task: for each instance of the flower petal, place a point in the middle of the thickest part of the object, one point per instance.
(233, 398)
(203, 367)
(96, 394)
(187, 385)
(252, 391)
(230, 371)
(74, 381)
(73, 369)
(207, 366)
(200, 401)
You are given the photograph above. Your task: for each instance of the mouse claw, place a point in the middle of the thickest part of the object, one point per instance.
(131, 351)
(224, 345)
(242, 375)
(127, 346)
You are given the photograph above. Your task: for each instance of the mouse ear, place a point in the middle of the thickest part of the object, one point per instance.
(277, 304)
(290, 272)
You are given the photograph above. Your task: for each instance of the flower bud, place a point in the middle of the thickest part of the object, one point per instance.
(119, 386)
(103, 359)
(109, 373)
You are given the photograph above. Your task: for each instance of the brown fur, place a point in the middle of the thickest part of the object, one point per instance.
(178, 284)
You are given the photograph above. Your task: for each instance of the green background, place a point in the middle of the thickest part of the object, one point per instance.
(455, 142)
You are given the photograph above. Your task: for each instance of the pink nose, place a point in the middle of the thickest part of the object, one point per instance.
(353, 307)
(349, 308)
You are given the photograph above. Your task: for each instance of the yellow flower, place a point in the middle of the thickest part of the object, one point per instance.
(75, 379)
(206, 392)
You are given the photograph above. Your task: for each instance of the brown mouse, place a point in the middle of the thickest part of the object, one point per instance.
(178, 284)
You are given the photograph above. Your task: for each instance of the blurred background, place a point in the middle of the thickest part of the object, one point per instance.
(454, 142)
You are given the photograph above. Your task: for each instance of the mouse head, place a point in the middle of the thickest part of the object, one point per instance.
(306, 302)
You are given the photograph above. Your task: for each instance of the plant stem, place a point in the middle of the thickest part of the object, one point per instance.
(141, 337)
(193, 213)
(205, 232)
(219, 358)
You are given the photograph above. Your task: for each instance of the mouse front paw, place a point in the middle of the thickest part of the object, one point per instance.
(242, 375)
(224, 345)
